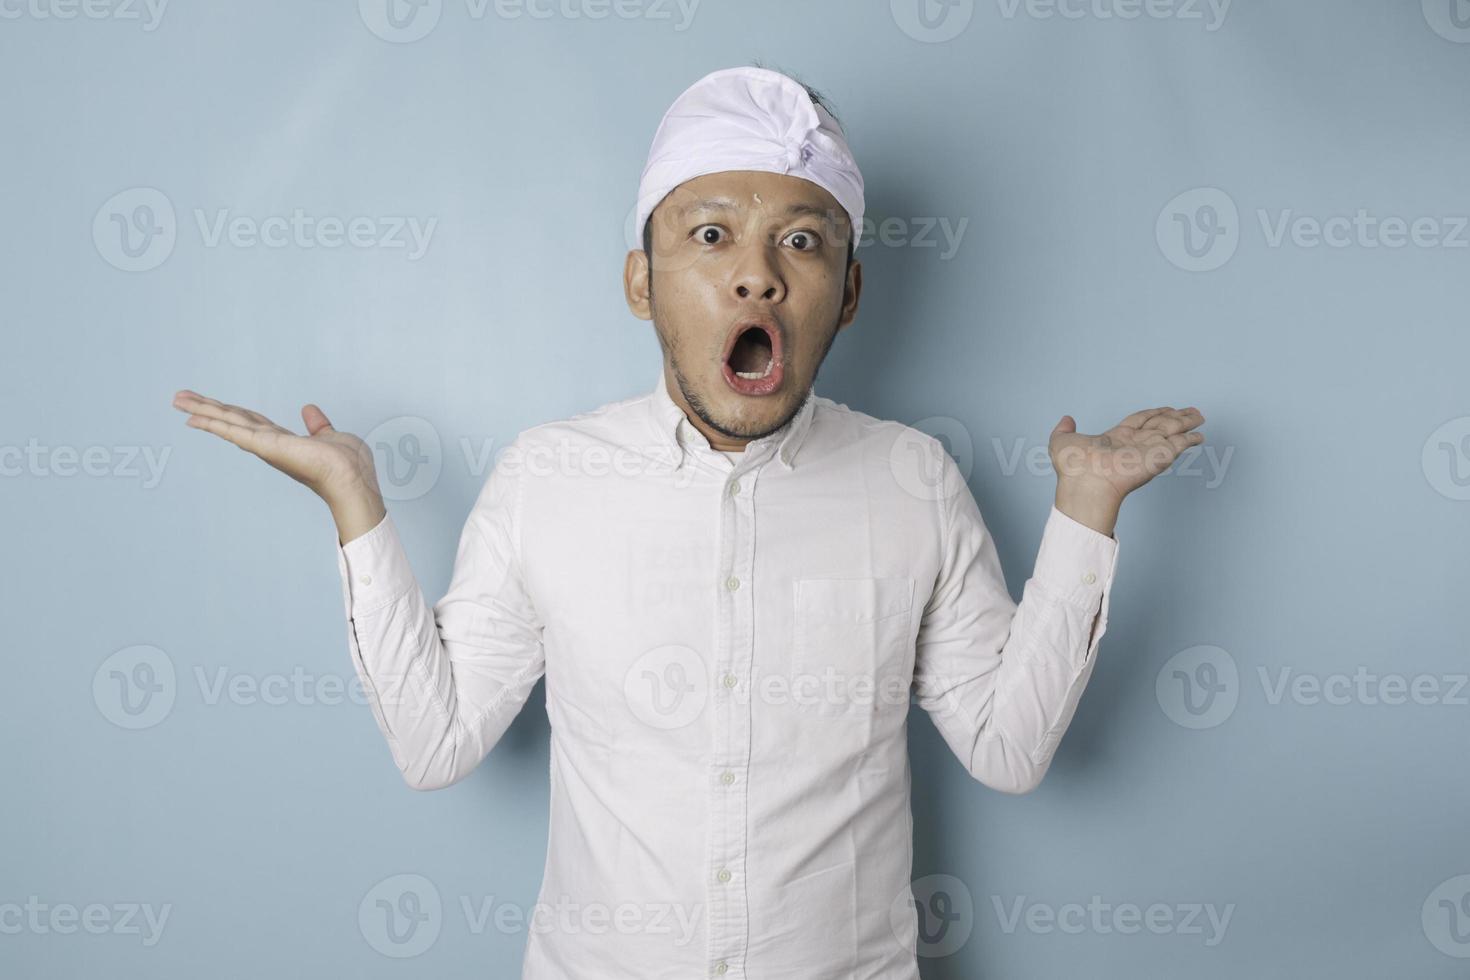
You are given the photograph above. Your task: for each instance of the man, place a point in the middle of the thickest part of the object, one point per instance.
(732, 586)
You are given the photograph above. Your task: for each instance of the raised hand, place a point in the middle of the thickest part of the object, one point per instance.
(1095, 473)
(336, 466)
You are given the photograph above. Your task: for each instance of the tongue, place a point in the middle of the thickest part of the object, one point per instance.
(752, 351)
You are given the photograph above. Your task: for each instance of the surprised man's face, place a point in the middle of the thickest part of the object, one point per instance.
(749, 284)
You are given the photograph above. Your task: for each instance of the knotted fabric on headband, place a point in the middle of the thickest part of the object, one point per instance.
(750, 119)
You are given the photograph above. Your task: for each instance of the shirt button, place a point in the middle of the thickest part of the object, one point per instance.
(727, 777)
(1089, 578)
(723, 875)
(365, 579)
(734, 487)
(720, 968)
(731, 680)
(732, 583)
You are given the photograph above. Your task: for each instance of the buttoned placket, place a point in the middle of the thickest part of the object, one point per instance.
(734, 646)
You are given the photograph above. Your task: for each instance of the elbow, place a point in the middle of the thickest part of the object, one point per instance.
(1028, 784)
(435, 772)
(1013, 782)
(431, 780)
(440, 757)
(424, 784)
(1002, 765)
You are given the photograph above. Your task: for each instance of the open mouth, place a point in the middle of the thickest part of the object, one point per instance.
(753, 362)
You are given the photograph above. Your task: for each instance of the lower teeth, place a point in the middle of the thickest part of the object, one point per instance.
(755, 375)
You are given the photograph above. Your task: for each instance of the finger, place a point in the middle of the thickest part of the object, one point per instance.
(249, 414)
(316, 420)
(190, 398)
(1171, 423)
(1183, 440)
(1138, 418)
(210, 408)
(244, 436)
(185, 396)
(1065, 426)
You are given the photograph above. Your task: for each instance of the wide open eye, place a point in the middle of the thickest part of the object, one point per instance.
(803, 240)
(708, 234)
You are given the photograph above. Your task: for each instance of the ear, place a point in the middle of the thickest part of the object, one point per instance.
(851, 291)
(635, 284)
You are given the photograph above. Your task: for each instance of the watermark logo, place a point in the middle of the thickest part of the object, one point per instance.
(1446, 917)
(408, 456)
(401, 916)
(95, 918)
(135, 687)
(915, 465)
(666, 688)
(1362, 686)
(940, 908)
(914, 232)
(1211, 13)
(148, 13)
(1450, 19)
(112, 462)
(1196, 462)
(1362, 229)
(1446, 459)
(135, 230)
(1102, 918)
(138, 687)
(406, 21)
(932, 21)
(1198, 687)
(1199, 230)
(400, 21)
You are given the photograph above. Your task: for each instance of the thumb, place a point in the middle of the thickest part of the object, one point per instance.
(315, 419)
(1066, 425)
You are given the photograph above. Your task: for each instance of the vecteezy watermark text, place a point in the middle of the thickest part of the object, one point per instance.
(1125, 918)
(1201, 229)
(406, 21)
(148, 13)
(404, 914)
(114, 462)
(137, 229)
(94, 918)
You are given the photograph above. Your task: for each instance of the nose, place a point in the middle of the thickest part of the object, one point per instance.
(758, 276)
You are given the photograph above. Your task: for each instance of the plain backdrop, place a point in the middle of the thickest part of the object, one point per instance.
(1091, 207)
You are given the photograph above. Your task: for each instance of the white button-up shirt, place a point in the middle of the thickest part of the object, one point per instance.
(730, 649)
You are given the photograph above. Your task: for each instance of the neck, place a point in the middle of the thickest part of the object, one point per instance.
(717, 440)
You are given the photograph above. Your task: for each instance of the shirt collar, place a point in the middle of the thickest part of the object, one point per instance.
(673, 427)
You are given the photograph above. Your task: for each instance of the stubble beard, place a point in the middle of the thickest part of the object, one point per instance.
(697, 404)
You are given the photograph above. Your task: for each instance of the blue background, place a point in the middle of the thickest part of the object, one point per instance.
(1329, 540)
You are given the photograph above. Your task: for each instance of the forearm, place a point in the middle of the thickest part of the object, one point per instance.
(1002, 680)
(444, 681)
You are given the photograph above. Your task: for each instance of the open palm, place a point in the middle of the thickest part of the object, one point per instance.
(1126, 456)
(333, 464)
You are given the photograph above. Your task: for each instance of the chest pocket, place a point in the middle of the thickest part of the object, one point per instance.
(851, 645)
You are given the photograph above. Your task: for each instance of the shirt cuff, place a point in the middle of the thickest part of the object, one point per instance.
(374, 568)
(1075, 562)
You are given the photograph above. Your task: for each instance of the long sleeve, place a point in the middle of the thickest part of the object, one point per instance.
(1001, 680)
(445, 683)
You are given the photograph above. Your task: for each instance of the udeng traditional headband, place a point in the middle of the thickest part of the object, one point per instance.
(750, 119)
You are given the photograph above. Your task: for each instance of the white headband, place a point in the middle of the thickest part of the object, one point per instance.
(750, 119)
